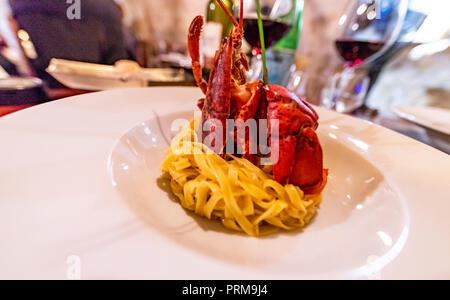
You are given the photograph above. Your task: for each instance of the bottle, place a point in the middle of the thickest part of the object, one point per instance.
(216, 28)
(291, 40)
(281, 57)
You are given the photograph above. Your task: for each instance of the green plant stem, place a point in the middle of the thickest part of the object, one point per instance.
(263, 44)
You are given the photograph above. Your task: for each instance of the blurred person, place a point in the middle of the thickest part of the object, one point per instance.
(5, 63)
(97, 37)
(139, 30)
(131, 41)
(10, 51)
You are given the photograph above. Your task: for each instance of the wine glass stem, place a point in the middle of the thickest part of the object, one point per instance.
(341, 81)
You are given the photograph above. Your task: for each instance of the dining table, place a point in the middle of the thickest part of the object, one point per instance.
(433, 138)
(428, 136)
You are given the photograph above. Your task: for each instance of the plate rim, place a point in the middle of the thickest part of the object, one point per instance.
(399, 110)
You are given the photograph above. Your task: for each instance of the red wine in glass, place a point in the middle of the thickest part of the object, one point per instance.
(274, 31)
(355, 52)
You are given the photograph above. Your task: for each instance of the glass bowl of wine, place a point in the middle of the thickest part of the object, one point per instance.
(366, 31)
(278, 17)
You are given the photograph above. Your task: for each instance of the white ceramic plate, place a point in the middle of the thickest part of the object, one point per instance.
(95, 77)
(80, 194)
(431, 117)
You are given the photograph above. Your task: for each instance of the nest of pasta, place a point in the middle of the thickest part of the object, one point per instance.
(233, 190)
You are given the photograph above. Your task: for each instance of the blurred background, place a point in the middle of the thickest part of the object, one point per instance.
(354, 56)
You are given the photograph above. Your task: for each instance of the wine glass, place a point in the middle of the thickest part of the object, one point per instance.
(366, 31)
(278, 17)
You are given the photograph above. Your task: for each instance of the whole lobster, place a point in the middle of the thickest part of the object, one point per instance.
(230, 96)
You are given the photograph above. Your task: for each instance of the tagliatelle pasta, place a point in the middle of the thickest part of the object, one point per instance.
(233, 190)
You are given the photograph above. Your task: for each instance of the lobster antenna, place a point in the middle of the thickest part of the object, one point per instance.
(241, 15)
(229, 14)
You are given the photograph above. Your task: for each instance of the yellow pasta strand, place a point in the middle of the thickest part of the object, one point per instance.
(234, 190)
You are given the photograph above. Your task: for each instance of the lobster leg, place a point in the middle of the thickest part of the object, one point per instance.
(245, 101)
(194, 49)
(217, 105)
(240, 62)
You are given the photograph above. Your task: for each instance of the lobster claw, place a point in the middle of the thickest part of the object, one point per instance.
(296, 151)
(307, 171)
